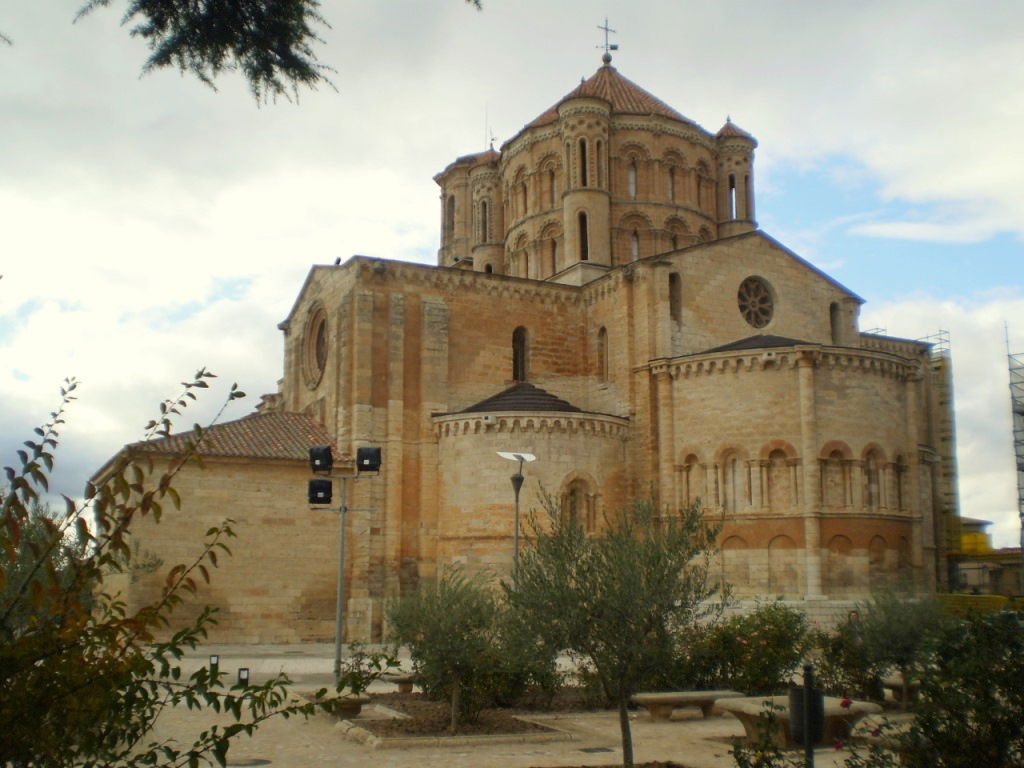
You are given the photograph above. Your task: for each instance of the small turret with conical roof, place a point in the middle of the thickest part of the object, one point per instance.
(735, 179)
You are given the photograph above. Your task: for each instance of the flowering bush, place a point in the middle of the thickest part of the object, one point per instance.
(755, 652)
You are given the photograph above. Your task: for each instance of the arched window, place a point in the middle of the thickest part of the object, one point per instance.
(521, 194)
(584, 239)
(732, 484)
(693, 480)
(675, 297)
(583, 162)
(748, 205)
(732, 196)
(900, 468)
(631, 179)
(834, 320)
(519, 354)
(672, 183)
(602, 354)
(552, 189)
(579, 506)
(872, 484)
(489, 268)
(634, 246)
(833, 481)
(484, 227)
(554, 255)
(780, 492)
(449, 218)
(600, 165)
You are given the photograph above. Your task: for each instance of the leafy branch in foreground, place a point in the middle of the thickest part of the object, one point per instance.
(271, 42)
(83, 679)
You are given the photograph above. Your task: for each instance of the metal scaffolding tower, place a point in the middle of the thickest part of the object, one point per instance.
(1017, 406)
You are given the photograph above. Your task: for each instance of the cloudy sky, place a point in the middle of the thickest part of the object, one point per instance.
(151, 226)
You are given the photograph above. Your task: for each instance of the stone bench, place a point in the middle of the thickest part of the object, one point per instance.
(839, 719)
(403, 681)
(661, 704)
(894, 683)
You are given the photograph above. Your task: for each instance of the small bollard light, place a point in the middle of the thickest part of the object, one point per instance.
(214, 660)
(243, 675)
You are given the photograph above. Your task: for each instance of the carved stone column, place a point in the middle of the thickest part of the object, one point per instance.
(808, 447)
(666, 437)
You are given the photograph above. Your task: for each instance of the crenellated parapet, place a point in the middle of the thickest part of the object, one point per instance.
(583, 425)
(844, 359)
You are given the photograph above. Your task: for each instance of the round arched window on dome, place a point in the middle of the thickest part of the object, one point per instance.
(315, 347)
(755, 301)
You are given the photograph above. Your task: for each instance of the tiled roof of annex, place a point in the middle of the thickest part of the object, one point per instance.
(760, 341)
(265, 435)
(522, 396)
(624, 96)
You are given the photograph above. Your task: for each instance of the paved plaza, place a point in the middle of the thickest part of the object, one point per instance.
(592, 739)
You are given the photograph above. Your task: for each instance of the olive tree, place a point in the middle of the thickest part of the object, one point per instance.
(617, 598)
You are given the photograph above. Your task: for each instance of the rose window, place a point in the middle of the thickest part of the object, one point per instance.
(755, 302)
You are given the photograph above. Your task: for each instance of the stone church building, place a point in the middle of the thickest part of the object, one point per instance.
(604, 300)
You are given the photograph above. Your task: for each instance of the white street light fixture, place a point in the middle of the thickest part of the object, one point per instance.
(517, 484)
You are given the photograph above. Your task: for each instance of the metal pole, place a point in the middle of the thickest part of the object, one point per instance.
(808, 735)
(339, 619)
(517, 484)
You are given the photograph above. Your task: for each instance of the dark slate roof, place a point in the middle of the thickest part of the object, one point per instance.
(761, 341)
(522, 396)
(270, 435)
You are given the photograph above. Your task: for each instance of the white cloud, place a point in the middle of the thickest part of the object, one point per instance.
(127, 204)
(981, 393)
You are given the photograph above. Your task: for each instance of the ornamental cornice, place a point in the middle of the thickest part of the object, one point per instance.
(403, 275)
(679, 130)
(584, 424)
(526, 140)
(487, 174)
(572, 110)
(843, 359)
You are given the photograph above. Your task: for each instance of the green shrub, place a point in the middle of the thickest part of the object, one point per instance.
(756, 652)
(469, 649)
(844, 667)
(971, 705)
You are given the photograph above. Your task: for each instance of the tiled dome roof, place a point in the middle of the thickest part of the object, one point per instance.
(625, 97)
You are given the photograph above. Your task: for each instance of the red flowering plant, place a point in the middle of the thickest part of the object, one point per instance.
(757, 652)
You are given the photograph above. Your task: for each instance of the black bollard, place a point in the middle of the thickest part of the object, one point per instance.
(809, 735)
(806, 715)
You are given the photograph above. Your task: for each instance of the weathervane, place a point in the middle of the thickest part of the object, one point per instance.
(608, 47)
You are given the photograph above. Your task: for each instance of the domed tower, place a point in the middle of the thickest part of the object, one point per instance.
(735, 180)
(608, 175)
(472, 226)
(583, 127)
(487, 239)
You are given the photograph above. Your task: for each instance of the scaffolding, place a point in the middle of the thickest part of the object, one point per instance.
(939, 342)
(1017, 409)
(948, 528)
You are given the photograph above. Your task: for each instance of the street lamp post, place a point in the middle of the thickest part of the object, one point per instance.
(517, 485)
(321, 462)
